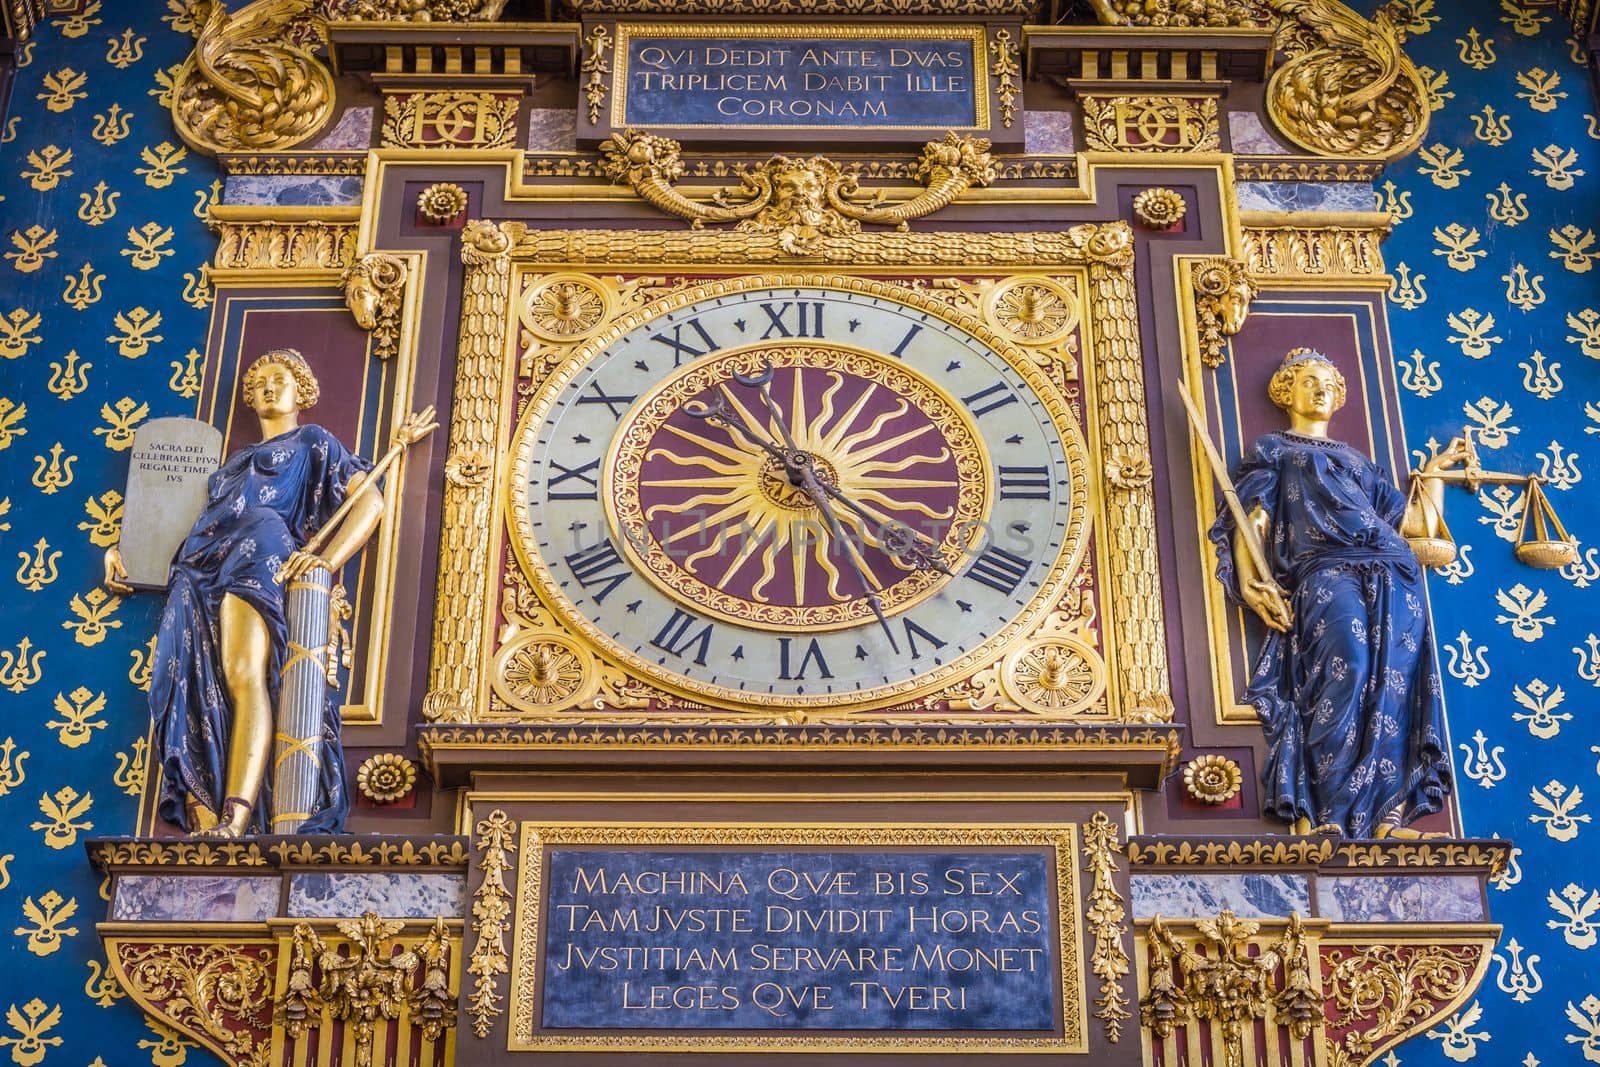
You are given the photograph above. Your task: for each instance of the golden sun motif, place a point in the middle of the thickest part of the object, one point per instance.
(718, 521)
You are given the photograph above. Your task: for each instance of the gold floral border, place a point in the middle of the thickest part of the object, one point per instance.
(526, 945)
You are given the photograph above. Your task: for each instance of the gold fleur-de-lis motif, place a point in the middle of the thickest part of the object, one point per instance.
(65, 811)
(1421, 379)
(93, 610)
(121, 419)
(1573, 248)
(11, 416)
(1397, 204)
(1522, 607)
(16, 332)
(143, 660)
(1443, 165)
(1434, 83)
(1589, 659)
(36, 1018)
(1492, 129)
(64, 85)
(70, 378)
(1458, 1039)
(1458, 246)
(10, 132)
(44, 936)
(1504, 506)
(1541, 702)
(169, 1048)
(132, 767)
(78, 709)
(1578, 926)
(1559, 467)
(1475, 52)
(110, 126)
(206, 199)
(83, 288)
(1584, 570)
(1459, 569)
(1406, 290)
(1543, 382)
(12, 773)
(1522, 291)
(1524, 20)
(1587, 323)
(79, 24)
(20, 669)
(1466, 664)
(1472, 332)
(1417, 18)
(165, 80)
(49, 166)
(38, 569)
(54, 474)
(1559, 803)
(1506, 207)
(147, 245)
(197, 287)
(180, 16)
(102, 986)
(105, 518)
(1483, 766)
(126, 50)
(1509, 875)
(1515, 977)
(185, 380)
(1555, 166)
(33, 248)
(97, 207)
(135, 339)
(163, 159)
(1540, 88)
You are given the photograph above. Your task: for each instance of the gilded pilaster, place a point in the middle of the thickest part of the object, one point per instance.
(461, 613)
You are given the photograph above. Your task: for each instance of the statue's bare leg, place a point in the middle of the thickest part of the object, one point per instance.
(246, 651)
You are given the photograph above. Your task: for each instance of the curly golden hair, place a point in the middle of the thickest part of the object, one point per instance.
(306, 389)
(1281, 388)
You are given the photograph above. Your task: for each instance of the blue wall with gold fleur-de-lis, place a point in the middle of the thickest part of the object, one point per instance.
(1495, 315)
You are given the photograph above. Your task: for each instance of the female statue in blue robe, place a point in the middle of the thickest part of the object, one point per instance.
(223, 639)
(1347, 681)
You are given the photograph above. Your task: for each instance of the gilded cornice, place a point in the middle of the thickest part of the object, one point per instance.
(1324, 852)
(269, 853)
(808, 8)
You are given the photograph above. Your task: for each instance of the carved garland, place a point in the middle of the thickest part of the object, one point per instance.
(1107, 922)
(491, 917)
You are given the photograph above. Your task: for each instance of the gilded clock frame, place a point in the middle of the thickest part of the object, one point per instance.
(474, 651)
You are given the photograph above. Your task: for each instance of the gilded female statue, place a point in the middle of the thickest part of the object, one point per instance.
(1347, 682)
(223, 639)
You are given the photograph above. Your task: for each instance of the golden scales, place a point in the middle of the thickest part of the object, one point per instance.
(1541, 539)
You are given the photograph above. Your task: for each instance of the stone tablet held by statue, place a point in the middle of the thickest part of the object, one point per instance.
(167, 471)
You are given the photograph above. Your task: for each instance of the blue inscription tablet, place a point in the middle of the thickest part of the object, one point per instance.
(793, 940)
(670, 80)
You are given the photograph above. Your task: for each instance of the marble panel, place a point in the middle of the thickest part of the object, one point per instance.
(1048, 132)
(1250, 135)
(353, 130)
(1249, 896)
(292, 190)
(552, 129)
(399, 895)
(1441, 898)
(196, 898)
(1306, 196)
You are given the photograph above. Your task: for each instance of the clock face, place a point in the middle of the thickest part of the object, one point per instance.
(798, 495)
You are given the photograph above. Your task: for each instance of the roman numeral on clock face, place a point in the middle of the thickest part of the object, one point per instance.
(793, 318)
(983, 394)
(680, 347)
(999, 570)
(811, 657)
(680, 638)
(1024, 483)
(599, 566)
(579, 476)
(617, 405)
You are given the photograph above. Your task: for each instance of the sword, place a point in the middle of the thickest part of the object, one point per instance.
(1219, 470)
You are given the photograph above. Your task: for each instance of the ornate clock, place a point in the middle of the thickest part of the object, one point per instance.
(804, 492)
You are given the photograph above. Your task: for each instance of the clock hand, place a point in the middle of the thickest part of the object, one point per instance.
(813, 488)
(903, 544)
(718, 413)
(760, 382)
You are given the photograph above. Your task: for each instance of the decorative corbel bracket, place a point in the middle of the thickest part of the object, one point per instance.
(1222, 294)
(374, 289)
(254, 81)
(801, 201)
